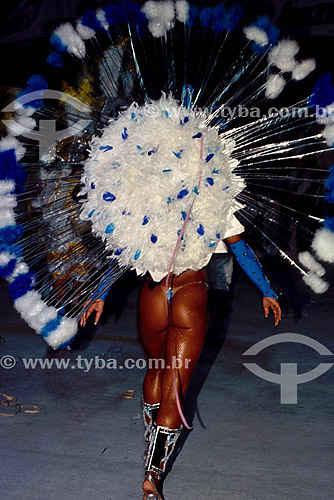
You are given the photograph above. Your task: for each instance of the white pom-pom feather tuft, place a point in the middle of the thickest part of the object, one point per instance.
(283, 55)
(323, 245)
(151, 9)
(274, 86)
(23, 110)
(303, 69)
(63, 333)
(10, 142)
(7, 217)
(101, 17)
(161, 17)
(182, 10)
(34, 310)
(328, 133)
(71, 39)
(22, 125)
(6, 186)
(307, 260)
(5, 257)
(257, 35)
(85, 32)
(8, 201)
(20, 268)
(317, 284)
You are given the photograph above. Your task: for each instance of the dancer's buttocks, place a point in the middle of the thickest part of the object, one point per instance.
(185, 297)
(178, 282)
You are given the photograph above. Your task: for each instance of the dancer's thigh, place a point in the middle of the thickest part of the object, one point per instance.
(186, 334)
(152, 320)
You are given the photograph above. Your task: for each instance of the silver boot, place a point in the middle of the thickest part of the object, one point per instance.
(161, 446)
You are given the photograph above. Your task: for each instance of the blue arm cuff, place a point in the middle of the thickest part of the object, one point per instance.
(252, 267)
(103, 296)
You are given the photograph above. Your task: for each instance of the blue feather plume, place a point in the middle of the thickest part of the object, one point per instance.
(55, 59)
(7, 270)
(89, 19)
(21, 285)
(329, 223)
(7, 164)
(233, 17)
(51, 326)
(205, 16)
(193, 15)
(34, 84)
(323, 92)
(56, 42)
(10, 234)
(219, 13)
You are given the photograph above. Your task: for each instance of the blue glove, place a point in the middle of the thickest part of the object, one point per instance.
(252, 267)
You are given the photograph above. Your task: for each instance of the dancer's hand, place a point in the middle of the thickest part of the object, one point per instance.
(96, 306)
(271, 303)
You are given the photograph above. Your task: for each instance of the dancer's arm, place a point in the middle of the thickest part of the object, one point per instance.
(97, 305)
(252, 267)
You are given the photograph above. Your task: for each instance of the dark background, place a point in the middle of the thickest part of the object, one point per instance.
(26, 24)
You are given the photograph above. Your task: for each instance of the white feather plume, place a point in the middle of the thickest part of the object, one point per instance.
(308, 261)
(151, 9)
(6, 186)
(303, 69)
(23, 110)
(274, 86)
(10, 142)
(257, 35)
(8, 201)
(63, 333)
(7, 217)
(283, 55)
(5, 257)
(71, 39)
(85, 32)
(328, 133)
(182, 10)
(34, 310)
(323, 245)
(161, 16)
(20, 268)
(21, 125)
(317, 284)
(101, 17)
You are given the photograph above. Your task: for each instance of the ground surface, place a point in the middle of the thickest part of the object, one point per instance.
(86, 443)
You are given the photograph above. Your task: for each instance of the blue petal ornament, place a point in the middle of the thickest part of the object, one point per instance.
(200, 230)
(110, 228)
(182, 194)
(109, 197)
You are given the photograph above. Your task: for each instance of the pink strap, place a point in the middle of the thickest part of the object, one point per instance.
(168, 279)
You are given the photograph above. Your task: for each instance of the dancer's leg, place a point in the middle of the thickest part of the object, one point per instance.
(152, 326)
(181, 337)
(184, 343)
